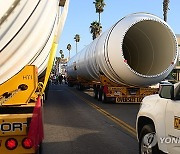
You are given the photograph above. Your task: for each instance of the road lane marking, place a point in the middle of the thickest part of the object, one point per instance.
(119, 122)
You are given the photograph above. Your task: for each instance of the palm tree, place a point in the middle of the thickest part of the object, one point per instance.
(69, 48)
(77, 39)
(95, 29)
(60, 51)
(62, 56)
(165, 9)
(99, 5)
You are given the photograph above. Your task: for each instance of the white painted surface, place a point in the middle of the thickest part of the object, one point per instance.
(27, 34)
(139, 50)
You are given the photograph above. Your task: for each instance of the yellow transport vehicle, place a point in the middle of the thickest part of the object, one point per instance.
(21, 125)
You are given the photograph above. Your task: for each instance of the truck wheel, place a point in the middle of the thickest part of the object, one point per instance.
(104, 98)
(95, 91)
(81, 87)
(100, 93)
(70, 84)
(39, 150)
(147, 139)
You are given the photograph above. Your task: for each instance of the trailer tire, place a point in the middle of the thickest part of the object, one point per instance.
(100, 94)
(70, 84)
(80, 87)
(147, 129)
(104, 98)
(95, 91)
(39, 150)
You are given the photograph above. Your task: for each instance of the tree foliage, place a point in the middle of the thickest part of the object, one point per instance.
(69, 48)
(77, 39)
(99, 6)
(95, 29)
(60, 51)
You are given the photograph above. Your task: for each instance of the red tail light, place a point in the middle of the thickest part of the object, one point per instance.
(11, 144)
(27, 143)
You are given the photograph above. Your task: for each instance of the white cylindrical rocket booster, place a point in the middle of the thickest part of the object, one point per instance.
(139, 50)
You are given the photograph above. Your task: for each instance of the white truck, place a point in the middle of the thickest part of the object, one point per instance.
(158, 121)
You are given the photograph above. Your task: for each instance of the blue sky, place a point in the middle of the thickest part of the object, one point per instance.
(82, 13)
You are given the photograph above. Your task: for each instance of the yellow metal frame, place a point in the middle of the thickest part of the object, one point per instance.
(14, 118)
(122, 91)
(17, 134)
(19, 89)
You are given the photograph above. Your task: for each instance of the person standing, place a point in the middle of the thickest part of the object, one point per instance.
(60, 79)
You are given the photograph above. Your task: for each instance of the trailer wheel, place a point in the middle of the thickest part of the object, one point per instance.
(39, 150)
(95, 91)
(70, 84)
(104, 98)
(146, 147)
(100, 94)
(80, 87)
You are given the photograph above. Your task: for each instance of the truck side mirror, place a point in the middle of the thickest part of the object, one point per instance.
(167, 91)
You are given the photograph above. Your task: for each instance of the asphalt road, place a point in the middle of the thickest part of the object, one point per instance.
(75, 123)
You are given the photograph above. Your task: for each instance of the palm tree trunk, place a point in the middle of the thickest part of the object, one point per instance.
(76, 47)
(165, 9)
(165, 17)
(99, 17)
(69, 54)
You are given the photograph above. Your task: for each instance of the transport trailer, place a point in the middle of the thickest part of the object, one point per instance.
(124, 61)
(21, 124)
(107, 91)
